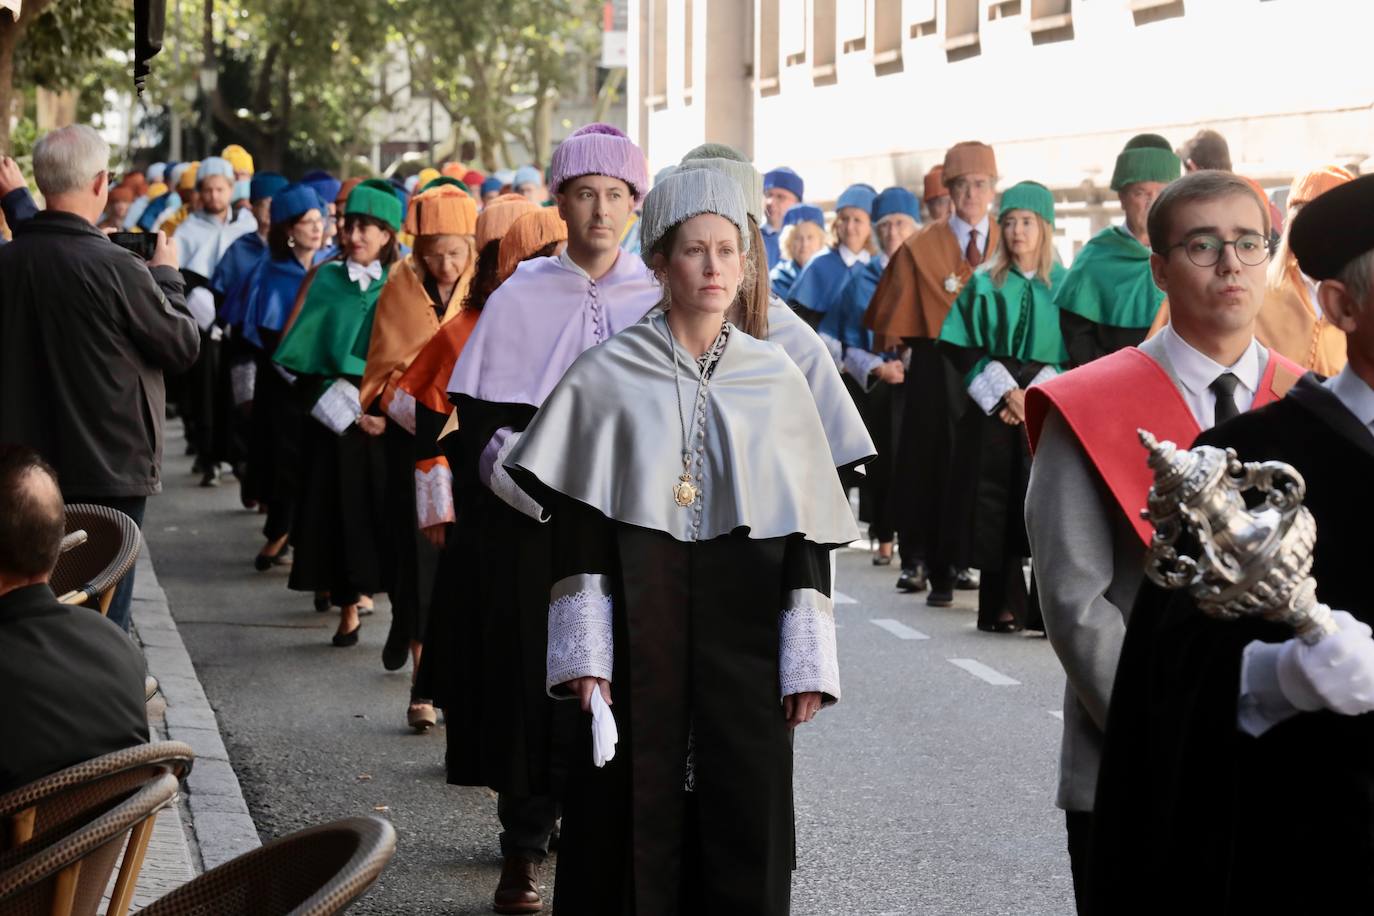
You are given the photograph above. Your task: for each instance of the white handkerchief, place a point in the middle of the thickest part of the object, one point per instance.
(604, 734)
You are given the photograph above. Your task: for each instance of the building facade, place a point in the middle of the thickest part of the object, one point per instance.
(875, 90)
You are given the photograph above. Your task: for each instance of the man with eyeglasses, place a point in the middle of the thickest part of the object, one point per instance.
(1234, 736)
(1089, 479)
(1109, 298)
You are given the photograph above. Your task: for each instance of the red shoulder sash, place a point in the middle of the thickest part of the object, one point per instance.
(1106, 401)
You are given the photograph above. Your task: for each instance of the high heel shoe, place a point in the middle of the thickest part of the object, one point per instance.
(265, 561)
(322, 602)
(344, 640)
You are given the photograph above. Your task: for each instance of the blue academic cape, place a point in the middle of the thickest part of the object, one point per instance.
(819, 285)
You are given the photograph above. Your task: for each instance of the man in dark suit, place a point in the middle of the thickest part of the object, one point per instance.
(71, 683)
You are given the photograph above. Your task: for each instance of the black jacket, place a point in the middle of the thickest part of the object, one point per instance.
(72, 684)
(86, 332)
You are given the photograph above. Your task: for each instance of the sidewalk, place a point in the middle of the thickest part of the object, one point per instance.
(210, 824)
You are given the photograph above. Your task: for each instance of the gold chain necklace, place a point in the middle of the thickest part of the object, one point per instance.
(685, 492)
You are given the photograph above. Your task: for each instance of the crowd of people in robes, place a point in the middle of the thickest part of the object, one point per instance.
(595, 437)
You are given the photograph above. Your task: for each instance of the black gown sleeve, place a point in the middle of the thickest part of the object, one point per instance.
(581, 602)
(808, 659)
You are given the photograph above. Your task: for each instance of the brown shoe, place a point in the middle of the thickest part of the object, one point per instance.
(518, 891)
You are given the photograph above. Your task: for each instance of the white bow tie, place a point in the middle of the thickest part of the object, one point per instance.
(363, 276)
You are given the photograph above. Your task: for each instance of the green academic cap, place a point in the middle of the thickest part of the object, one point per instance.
(443, 180)
(1147, 157)
(1028, 195)
(376, 198)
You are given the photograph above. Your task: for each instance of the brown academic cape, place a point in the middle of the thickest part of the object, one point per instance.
(914, 295)
(406, 319)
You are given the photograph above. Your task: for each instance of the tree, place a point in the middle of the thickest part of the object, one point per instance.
(63, 44)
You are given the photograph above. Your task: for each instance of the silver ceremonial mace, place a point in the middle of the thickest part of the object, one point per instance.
(1252, 562)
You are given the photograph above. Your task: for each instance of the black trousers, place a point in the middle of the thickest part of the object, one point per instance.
(1079, 825)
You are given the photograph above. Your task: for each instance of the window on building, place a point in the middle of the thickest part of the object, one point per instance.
(1147, 11)
(1004, 8)
(961, 29)
(766, 68)
(919, 15)
(792, 31)
(823, 41)
(887, 36)
(851, 25)
(1051, 20)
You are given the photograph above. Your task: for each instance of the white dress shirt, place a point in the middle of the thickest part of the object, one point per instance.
(1354, 394)
(962, 230)
(851, 258)
(1196, 371)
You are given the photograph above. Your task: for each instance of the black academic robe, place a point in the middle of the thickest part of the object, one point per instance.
(1195, 816)
(274, 444)
(934, 403)
(340, 529)
(503, 730)
(1086, 340)
(697, 633)
(432, 677)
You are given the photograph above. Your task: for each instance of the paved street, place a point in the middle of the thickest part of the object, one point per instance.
(928, 790)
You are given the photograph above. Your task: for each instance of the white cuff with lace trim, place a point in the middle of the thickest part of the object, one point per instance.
(401, 408)
(808, 660)
(1044, 375)
(991, 385)
(581, 642)
(434, 495)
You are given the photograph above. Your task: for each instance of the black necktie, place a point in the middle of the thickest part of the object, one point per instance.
(1225, 389)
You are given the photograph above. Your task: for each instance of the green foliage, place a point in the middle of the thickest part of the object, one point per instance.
(66, 46)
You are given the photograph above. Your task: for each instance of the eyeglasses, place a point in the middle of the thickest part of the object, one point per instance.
(1252, 249)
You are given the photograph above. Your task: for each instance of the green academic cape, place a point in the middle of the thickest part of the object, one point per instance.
(988, 320)
(336, 314)
(1110, 282)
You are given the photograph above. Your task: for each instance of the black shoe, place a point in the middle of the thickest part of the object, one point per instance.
(263, 562)
(939, 597)
(322, 603)
(913, 580)
(394, 653)
(344, 640)
(210, 478)
(1001, 626)
(967, 580)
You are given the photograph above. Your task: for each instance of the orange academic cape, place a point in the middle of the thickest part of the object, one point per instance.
(1105, 402)
(919, 286)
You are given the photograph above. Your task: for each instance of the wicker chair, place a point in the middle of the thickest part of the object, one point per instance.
(59, 834)
(313, 872)
(91, 569)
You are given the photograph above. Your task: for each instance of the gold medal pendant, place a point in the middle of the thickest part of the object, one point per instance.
(684, 491)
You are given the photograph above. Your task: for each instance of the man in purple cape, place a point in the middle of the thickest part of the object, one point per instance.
(503, 729)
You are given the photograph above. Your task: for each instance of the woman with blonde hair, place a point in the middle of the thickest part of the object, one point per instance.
(819, 287)
(1002, 336)
(803, 238)
(422, 294)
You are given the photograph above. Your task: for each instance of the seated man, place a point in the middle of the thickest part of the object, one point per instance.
(72, 682)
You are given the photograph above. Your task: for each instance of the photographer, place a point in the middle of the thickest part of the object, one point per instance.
(87, 330)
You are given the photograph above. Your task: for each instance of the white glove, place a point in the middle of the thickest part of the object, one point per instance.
(1336, 673)
(604, 733)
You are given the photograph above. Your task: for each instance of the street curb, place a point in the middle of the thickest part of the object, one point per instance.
(219, 818)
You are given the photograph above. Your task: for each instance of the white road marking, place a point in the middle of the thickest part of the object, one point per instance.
(842, 598)
(1057, 713)
(898, 629)
(983, 672)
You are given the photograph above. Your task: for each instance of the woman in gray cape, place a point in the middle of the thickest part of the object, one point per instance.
(694, 502)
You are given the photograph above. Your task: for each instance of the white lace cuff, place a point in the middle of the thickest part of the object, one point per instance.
(504, 486)
(581, 642)
(808, 660)
(860, 365)
(434, 495)
(242, 380)
(1044, 375)
(400, 407)
(991, 385)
